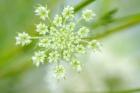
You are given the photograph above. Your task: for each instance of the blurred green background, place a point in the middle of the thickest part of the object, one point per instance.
(116, 69)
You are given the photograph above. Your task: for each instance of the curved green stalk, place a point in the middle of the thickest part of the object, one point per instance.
(82, 5)
(129, 22)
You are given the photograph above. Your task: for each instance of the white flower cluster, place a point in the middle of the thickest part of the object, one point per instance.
(60, 39)
(23, 39)
(88, 15)
(39, 57)
(42, 12)
(59, 72)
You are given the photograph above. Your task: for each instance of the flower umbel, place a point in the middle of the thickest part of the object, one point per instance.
(61, 39)
(88, 15)
(39, 57)
(68, 12)
(60, 71)
(23, 39)
(42, 12)
(41, 28)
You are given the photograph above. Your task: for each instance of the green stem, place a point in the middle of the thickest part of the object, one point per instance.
(82, 5)
(131, 21)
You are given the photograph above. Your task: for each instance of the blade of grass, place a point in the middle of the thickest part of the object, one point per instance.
(105, 19)
(82, 5)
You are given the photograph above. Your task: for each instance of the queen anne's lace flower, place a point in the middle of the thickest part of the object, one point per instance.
(23, 39)
(61, 39)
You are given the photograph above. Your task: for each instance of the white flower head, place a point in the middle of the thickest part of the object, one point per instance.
(68, 12)
(42, 12)
(39, 57)
(60, 39)
(59, 72)
(23, 39)
(88, 15)
(41, 28)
